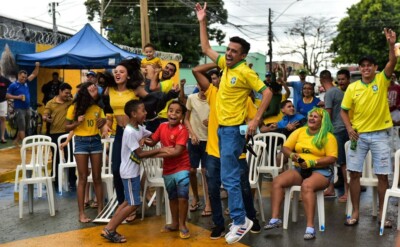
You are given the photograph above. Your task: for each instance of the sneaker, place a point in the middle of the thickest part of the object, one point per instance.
(256, 228)
(273, 225)
(238, 231)
(309, 235)
(217, 232)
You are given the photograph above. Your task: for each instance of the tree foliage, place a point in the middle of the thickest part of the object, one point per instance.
(361, 32)
(310, 39)
(173, 24)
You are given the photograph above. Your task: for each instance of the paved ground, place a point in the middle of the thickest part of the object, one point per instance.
(40, 229)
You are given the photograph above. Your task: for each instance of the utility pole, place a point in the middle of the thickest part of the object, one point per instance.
(144, 22)
(101, 17)
(270, 39)
(53, 12)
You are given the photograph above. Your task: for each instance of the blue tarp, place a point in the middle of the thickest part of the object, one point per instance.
(85, 50)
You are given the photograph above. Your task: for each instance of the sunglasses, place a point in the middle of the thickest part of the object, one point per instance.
(249, 145)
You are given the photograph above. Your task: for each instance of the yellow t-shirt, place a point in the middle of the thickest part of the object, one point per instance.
(88, 127)
(153, 61)
(234, 88)
(212, 147)
(166, 86)
(369, 103)
(301, 142)
(277, 118)
(119, 99)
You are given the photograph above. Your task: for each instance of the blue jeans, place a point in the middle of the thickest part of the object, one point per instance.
(116, 163)
(213, 175)
(231, 144)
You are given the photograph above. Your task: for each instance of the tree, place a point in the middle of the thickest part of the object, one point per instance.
(313, 37)
(173, 24)
(361, 32)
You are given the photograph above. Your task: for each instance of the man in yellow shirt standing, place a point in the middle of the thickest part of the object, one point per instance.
(369, 126)
(236, 83)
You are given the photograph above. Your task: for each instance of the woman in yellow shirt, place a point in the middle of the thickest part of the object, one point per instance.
(313, 149)
(127, 74)
(84, 117)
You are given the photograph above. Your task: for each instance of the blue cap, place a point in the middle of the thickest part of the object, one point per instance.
(268, 74)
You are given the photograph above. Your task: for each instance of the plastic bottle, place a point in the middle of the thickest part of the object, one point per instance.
(353, 145)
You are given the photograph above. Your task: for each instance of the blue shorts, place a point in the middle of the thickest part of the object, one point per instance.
(88, 145)
(378, 142)
(197, 153)
(341, 137)
(177, 185)
(132, 191)
(326, 172)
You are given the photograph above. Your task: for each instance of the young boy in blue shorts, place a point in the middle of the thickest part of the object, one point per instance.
(131, 155)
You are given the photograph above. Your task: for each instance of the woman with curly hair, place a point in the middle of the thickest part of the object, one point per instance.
(127, 75)
(83, 117)
(313, 149)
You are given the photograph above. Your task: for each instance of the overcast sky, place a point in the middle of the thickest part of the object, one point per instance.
(251, 15)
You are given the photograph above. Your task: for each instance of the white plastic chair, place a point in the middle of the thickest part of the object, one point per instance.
(395, 140)
(254, 163)
(106, 171)
(64, 164)
(29, 166)
(294, 192)
(38, 167)
(367, 179)
(271, 139)
(394, 191)
(153, 169)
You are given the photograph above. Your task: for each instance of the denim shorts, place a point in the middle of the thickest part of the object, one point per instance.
(177, 185)
(197, 153)
(132, 190)
(88, 145)
(23, 118)
(341, 137)
(326, 172)
(378, 142)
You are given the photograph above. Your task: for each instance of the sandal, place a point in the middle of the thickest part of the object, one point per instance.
(343, 198)
(168, 228)
(86, 205)
(131, 217)
(387, 224)
(94, 204)
(351, 222)
(184, 233)
(206, 213)
(113, 236)
(193, 208)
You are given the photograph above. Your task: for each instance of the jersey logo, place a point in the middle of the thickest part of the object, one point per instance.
(172, 137)
(306, 151)
(233, 80)
(375, 88)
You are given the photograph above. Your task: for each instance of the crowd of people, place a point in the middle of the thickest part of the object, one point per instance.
(140, 104)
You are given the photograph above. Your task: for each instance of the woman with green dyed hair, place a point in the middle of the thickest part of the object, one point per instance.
(313, 149)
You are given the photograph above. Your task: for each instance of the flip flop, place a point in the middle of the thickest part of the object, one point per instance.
(387, 224)
(184, 233)
(193, 208)
(343, 198)
(3, 141)
(94, 204)
(131, 218)
(206, 213)
(351, 222)
(168, 228)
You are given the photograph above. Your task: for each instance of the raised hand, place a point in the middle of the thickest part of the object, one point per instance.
(201, 11)
(390, 35)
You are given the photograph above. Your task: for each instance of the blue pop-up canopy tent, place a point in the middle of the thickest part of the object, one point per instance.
(87, 49)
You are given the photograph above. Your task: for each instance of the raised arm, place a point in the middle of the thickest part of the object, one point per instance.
(205, 43)
(391, 39)
(199, 74)
(155, 81)
(35, 72)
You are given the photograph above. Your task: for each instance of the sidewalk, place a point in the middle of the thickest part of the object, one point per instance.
(10, 158)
